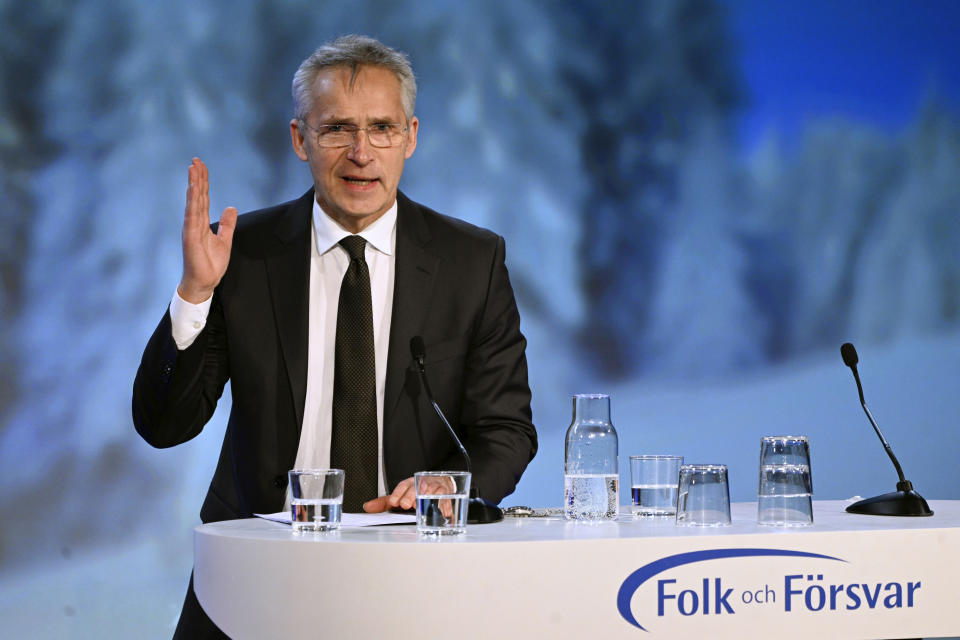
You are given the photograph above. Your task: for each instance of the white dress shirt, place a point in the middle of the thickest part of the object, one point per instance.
(328, 264)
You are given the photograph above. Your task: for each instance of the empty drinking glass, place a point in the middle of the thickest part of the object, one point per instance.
(785, 492)
(704, 496)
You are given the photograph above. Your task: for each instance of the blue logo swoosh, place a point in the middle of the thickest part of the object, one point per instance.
(647, 571)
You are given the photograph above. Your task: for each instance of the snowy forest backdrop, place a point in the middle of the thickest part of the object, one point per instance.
(701, 201)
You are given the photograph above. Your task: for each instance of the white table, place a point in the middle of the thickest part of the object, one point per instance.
(848, 576)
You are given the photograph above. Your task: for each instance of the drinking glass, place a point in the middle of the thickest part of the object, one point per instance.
(704, 496)
(785, 492)
(442, 501)
(653, 484)
(316, 499)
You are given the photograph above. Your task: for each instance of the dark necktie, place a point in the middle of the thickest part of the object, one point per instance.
(353, 444)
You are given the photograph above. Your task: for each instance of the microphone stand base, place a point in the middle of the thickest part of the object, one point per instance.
(896, 503)
(479, 511)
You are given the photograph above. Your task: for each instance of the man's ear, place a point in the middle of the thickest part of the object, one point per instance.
(298, 140)
(412, 129)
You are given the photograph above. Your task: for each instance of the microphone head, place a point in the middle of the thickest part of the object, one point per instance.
(417, 348)
(849, 354)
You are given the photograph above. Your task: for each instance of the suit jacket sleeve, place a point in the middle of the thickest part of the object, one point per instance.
(175, 392)
(495, 415)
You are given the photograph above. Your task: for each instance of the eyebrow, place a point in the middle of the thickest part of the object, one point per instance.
(374, 120)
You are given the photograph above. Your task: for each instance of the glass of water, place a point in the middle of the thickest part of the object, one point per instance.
(785, 492)
(704, 496)
(316, 499)
(653, 482)
(442, 501)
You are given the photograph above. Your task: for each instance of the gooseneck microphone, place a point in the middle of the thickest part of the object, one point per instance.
(419, 353)
(849, 355)
(479, 511)
(902, 502)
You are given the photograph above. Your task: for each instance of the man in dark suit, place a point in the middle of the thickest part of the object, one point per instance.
(260, 297)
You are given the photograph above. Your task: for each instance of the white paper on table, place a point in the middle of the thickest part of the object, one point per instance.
(350, 519)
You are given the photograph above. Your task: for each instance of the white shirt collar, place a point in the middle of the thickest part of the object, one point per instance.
(379, 234)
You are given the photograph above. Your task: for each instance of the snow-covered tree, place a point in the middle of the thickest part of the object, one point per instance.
(704, 319)
(640, 90)
(908, 275)
(830, 194)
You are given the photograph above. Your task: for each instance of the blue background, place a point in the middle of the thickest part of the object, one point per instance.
(701, 201)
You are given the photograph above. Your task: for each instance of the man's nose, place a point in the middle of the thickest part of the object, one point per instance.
(360, 149)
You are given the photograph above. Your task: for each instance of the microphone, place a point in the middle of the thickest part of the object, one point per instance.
(902, 502)
(479, 511)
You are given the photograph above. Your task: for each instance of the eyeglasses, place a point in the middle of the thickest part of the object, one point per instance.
(382, 134)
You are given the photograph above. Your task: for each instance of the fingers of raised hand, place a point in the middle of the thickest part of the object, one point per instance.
(198, 195)
(228, 222)
(204, 189)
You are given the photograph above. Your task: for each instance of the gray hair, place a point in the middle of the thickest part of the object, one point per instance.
(353, 52)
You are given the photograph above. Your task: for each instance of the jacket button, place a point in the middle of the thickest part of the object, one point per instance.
(280, 481)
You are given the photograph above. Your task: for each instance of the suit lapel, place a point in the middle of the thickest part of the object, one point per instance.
(415, 268)
(288, 273)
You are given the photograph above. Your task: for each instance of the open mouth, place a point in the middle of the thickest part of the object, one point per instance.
(359, 182)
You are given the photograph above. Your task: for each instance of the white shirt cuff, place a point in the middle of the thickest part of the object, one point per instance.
(187, 320)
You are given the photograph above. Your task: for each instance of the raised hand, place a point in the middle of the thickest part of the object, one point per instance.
(205, 254)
